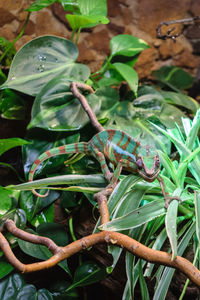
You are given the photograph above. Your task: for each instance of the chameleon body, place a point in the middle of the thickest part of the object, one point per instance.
(112, 145)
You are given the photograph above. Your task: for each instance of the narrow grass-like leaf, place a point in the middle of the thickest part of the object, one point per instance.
(57, 180)
(143, 285)
(166, 162)
(170, 222)
(136, 217)
(197, 214)
(193, 134)
(168, 273)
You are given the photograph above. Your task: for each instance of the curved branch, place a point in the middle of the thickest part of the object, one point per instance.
(74, 89)
(109, 237)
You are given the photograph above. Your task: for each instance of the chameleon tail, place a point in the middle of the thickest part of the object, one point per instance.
(71, 148)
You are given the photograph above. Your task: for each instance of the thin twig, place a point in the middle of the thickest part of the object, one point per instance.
(74, 89)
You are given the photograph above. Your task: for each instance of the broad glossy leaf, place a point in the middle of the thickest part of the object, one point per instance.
(6, 202)
(40, 4)
(14, 287)
(2, 77)
(174, 77)
(129, 74)
(78, 21)
(32, 151)
(41, 59)
(55, 232)
(7, 144)
(90, 7)
(127, 45)
(136, 217)
(12, 106)
(34, 205)
(70, 5)
(45, 216)
(87, 273)
(180, 100)
(5, 267)
(55, 108)
(40, 251)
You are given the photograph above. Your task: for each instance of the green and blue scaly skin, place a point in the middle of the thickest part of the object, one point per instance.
(114, 146)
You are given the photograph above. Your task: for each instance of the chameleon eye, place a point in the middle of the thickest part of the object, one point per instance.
(139, 163)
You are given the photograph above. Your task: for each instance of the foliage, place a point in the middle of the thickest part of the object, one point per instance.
(43, 69)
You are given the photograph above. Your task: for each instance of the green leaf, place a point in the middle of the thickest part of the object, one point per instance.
(32, 206)
(170, 222)
(90, 7)
(180, 100)
(55, 108)
(58, 180)
(167, 274)
(5, 267)
(14, 287)
(136, 217)
(127, 45)
(86, 274)
(6, 202)
(7, 144)
(129, 74)
(70, 5)
(41, 252)
(55, 232)
(77, 21)
(174, 77)
(2, 77)
(40, 4)
(194, 130)
(197, 214)
(32, 151)
(12, 106)
(168, 165)
(41, 59)
(143, 285)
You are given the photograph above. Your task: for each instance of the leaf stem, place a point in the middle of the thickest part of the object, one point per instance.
(71, 229)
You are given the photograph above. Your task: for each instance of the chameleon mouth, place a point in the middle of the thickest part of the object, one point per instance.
(149, 177)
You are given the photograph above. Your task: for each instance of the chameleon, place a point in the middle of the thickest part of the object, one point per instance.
(111, 145)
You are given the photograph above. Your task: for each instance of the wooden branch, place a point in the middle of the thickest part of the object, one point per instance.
(74, 89)
(109, 237)
(169, 34)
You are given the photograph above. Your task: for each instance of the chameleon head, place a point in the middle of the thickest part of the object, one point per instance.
(148, 167)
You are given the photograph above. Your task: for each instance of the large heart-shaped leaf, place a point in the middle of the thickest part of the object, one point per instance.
(14, 287)
(55, 108)
(41, 59)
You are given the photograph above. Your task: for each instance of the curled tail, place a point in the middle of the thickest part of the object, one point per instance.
(66, 149)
